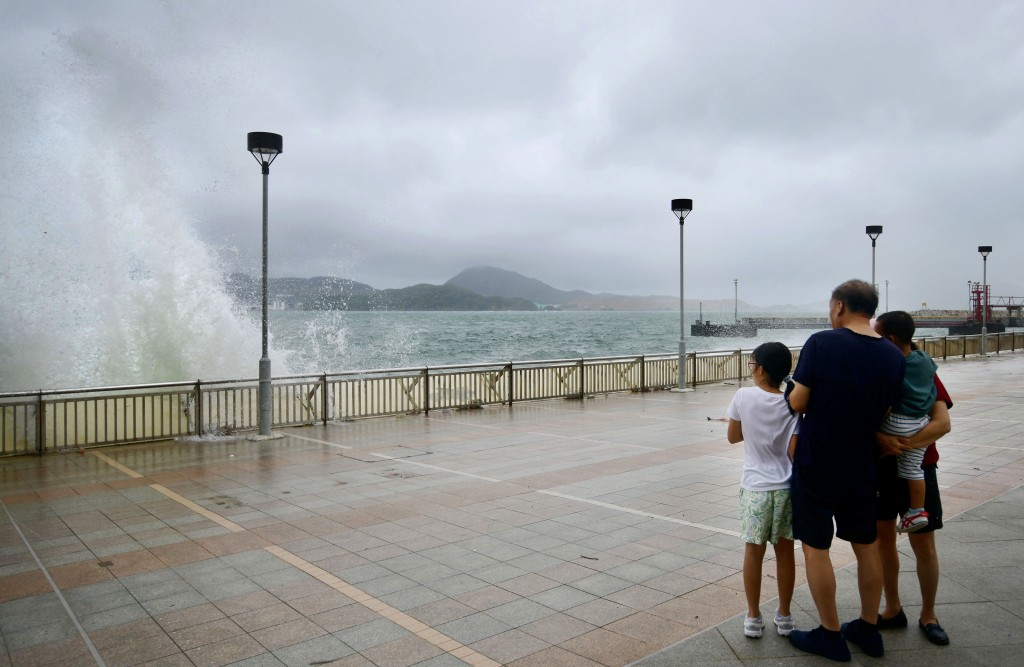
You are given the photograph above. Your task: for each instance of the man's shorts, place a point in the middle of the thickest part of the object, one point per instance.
(851, 506)
(894, 494)
(766, 516)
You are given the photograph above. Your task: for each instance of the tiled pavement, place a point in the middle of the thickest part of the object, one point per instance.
(577, 533)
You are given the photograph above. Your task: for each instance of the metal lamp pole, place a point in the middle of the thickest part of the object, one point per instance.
(682, 208)
(874, 231)
(984, 250)
(887, 296)
(265, 147)
(736, 300)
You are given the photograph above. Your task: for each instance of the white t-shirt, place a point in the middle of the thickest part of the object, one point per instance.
(767, 428)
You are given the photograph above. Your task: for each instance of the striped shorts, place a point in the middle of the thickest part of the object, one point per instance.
(908, 464)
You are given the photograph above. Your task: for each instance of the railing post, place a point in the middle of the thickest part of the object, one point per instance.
(739, 365)
(945, 347)
(425, 374)
(583, 385)
(199, 406)
(511, 383)
(643, 374)
(40, 425)
(693, 375)
(324, 403)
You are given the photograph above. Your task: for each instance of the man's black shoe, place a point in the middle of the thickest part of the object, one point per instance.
(934, 633)
(870, 641)
(814, 641)
(897, 621)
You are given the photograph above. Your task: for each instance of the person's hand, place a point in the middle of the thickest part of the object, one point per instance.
(890, 445)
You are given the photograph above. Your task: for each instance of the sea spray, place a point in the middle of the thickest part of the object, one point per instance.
(103, 278)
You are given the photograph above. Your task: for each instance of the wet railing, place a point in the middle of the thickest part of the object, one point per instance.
(60, 420)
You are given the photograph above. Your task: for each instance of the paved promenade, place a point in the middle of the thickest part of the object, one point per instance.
(597, 532)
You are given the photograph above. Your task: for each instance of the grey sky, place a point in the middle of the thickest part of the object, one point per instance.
(425, 137)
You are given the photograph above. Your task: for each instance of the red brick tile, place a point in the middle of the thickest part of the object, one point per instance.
(23, 585)
(232, 543)
(134, 562)
(79, 574)
(180, 553)
(225, 651)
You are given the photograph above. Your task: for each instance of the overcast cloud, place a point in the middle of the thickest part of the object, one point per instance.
(425, 137)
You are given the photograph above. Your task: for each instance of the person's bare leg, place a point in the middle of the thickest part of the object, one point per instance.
(753, 557)
(890, 559)
(785, 573)
(869, 579)
(821, 579)
(923, 545)
(915, 487)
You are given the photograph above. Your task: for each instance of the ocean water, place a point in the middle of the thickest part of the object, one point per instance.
(334, 341)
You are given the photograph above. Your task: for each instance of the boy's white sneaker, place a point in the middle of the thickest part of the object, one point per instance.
(784, 624)
(752, 627)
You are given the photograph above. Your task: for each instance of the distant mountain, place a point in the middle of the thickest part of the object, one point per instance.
(491, 281)
(436, 297)
(329, 293)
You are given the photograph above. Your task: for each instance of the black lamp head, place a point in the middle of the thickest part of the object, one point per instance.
(874, 231)
(265, 146)
(682, 208)
(984, 250)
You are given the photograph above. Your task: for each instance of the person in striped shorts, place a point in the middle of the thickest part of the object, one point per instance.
(911, 414)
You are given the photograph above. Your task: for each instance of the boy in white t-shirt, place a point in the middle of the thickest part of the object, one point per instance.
(760, 417)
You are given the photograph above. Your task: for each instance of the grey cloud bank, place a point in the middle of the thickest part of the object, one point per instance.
(422, 138)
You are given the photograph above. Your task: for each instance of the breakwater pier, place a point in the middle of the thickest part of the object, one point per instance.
(749, 326)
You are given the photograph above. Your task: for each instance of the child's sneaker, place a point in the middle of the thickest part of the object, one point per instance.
(784, 624)
(752, 627)
(913, 521)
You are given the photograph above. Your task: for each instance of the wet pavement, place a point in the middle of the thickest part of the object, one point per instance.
(571, 532)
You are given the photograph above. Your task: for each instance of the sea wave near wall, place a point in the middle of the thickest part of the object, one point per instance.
(103, 279)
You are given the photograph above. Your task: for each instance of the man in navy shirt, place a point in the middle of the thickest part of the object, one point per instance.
(845, 382)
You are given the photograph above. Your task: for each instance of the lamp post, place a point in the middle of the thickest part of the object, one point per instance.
(265, 147)
(887, 296)
(682, 208)
(984, 250)
(736, 300)
(874, 231)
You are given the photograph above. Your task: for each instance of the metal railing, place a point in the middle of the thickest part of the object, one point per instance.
(59, 420)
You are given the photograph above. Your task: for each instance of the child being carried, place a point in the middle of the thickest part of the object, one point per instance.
(911, 414)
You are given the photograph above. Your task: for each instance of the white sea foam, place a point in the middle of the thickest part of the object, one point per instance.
(103, 279)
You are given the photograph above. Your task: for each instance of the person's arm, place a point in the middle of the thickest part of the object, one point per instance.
(799, 397)
(939, 426)
(735, 432)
